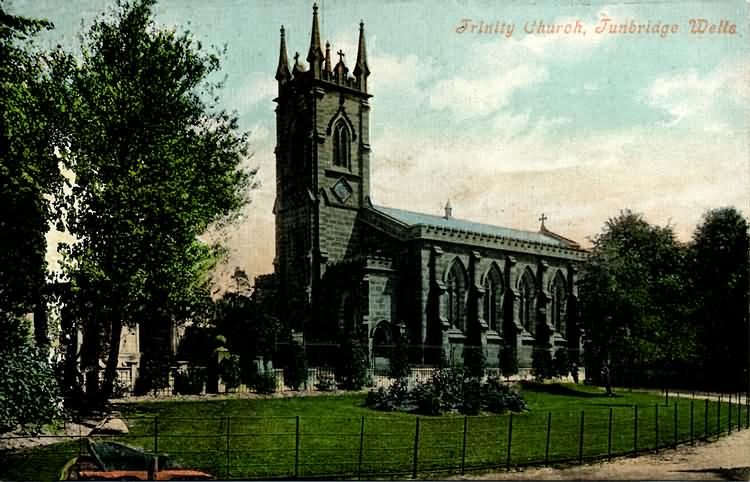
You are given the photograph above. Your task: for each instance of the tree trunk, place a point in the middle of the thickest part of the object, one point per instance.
(110, 371)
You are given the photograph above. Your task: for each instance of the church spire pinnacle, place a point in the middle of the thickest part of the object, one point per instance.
(327, 63)
(361, 70)
(448, 210)
(282, 71)
(315, 54)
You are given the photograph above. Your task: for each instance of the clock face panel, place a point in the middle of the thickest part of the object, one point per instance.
(342, 190)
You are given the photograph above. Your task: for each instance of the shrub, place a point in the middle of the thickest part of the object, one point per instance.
(498, 397)
(231, 371)
(399, 362)
(326, 383)
(508, 360)
(447, 391)
(29, 394)
(541, 363)
(190, 382)
(561, 363)
(474, 361)
(472, 397)
(265, 382)
(295, 372)
(396, 397)
(352, 366)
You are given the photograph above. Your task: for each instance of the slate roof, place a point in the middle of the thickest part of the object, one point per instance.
(411, 218)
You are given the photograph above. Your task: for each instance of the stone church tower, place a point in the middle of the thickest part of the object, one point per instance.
(322, 166)
(345, 265)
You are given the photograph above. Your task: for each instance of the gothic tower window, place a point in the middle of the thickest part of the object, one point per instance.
(456, 291)
(493, 296)
(526, 302)
(341, 145)
(558, 304)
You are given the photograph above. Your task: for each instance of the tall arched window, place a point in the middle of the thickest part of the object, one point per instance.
(558, 302)
(341, 145)
(456, 291)
(493, 299)
(526, 302)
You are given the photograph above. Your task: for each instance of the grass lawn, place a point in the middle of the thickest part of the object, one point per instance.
(337, 436)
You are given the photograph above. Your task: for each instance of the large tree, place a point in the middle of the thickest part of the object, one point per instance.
(29, 173)
(29, 179)
(156, 162)
(719, 260)
(633, 299)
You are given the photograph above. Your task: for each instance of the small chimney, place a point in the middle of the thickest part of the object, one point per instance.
(448, 210)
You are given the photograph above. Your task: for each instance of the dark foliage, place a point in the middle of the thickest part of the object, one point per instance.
(351, 369)
(295, 371)
(190, 382)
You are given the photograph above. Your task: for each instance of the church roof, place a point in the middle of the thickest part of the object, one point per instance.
(411, 218)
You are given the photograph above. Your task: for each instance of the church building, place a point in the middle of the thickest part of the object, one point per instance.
(346, 265)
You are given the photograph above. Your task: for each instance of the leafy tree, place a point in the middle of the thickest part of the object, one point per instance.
(633, 305)
(719, 262)
(156, 163)
(29, 177)
(29, 173)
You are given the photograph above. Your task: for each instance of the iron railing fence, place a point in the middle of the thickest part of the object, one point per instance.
(246, 447)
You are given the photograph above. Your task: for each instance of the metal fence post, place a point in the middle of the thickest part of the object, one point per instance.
(463, 448)
(656, 427)
(666, 397)
(227, 460)
(675, 425)
(580, 441)
(546, 447)
(729, 425)
(156, 435)
(416, 450)
(739, 412)
(718, 418)
(692, 422)
(609, 435)
(296, 447)
(705, 421)
(510, 440)
(635, 430)
(361, 447)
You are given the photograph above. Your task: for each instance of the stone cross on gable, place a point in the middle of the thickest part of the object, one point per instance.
(543, 218)
(341, 55)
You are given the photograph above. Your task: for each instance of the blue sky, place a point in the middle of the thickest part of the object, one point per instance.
(576, 126)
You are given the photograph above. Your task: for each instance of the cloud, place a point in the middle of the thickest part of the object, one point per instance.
(472, 97)
(692, 96)
(259, 88)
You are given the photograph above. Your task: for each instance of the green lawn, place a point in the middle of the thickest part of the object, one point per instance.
(337, 436)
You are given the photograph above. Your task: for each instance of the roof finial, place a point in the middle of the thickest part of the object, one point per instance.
(361, 70)
(282, 71)
(448, 210)
(542, 218)
(315, 54)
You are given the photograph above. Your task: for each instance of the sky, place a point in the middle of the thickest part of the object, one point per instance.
(578, 123)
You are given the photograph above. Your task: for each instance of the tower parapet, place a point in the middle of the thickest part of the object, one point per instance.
(320, 66)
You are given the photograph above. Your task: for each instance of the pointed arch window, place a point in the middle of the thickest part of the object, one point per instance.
(558, 303)
(456, 291)
(493, 299)
(341, 145)
(526, 302)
